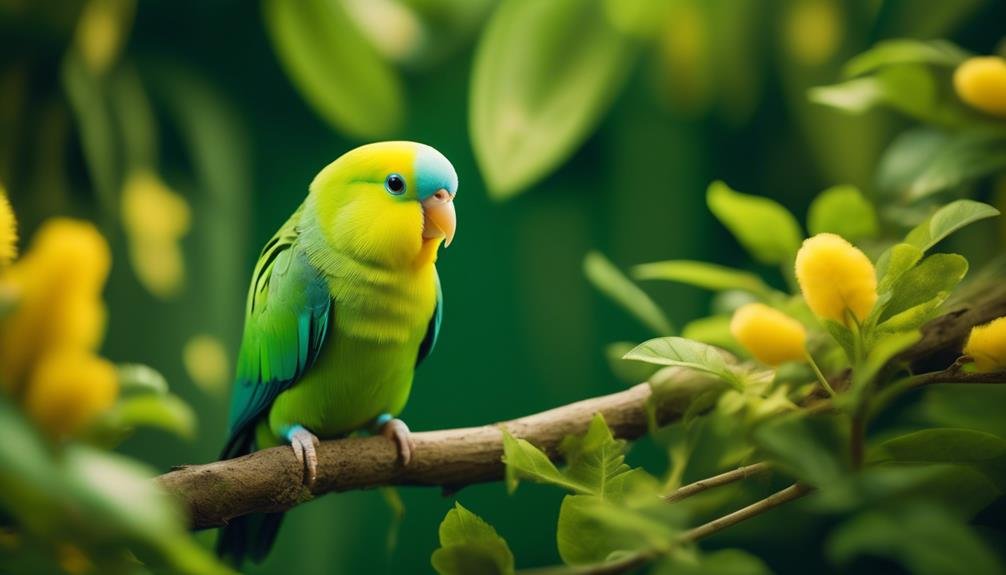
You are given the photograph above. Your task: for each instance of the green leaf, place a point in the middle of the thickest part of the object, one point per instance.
(762, 226)
(884, 348)
(978, 449)
(842, 210)
(963, 158)
(165, 412)
(334, 68)
(808, 448)
(910, 89)
(681, 352)
(139, 378)
(469, 545)
(99, 144)
(596, 460)
(591, 530)
(525, 461)
(906, 51)
(924, 539)
(908, 156)
(612, 283)
(975, 406)
(705, 275)
(922, 289)
(544, 75)
(893, 264)
(948, 220)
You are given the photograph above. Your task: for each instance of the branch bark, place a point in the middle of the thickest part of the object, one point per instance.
(270, 480)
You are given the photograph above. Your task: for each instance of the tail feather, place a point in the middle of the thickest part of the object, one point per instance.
(250, 536)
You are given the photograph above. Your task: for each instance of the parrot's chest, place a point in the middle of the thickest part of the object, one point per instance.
(365, 367)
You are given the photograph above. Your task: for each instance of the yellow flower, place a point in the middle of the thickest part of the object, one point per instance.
(834, 277)
(8, 231)
(987, 345)
(981, 82)
(770, 335)
(155, 219)
(68, 389)
(59, 282)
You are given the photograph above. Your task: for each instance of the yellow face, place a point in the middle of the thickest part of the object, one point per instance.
(385, 202)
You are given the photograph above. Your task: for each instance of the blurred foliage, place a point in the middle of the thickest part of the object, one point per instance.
(188, 131)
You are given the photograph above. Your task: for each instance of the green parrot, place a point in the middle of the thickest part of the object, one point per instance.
(344, 303)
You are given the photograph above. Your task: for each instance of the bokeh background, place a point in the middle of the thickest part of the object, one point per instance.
(189, 131)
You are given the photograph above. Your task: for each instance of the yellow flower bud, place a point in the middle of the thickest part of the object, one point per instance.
(770, 335)
(987, 345)
(834, 277)
(68, 389)
(981, 82)
(59, 282)
(8, 231)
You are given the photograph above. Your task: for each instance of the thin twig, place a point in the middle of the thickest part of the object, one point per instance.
(792, 492)
(716, 481)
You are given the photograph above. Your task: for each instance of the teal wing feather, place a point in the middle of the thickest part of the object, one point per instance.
(286, 319)
(433, 329)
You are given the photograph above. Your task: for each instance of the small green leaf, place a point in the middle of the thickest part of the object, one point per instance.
(927, 284)
(722, 562)
(612, 283)
(808, 448)
(525, 461)
(963, 158)
(166, 412)
(629, 372)
(908, 156)
(853, 96)
(981, 450)
(544, 75)
(596, 460)
(334, 67)
(591, 529)
(925, 540)
(469, 545)
(906, 51)
(139, 378)
(762, 226)
(842, 210)
(705, 275)
(978, 407)
(893, 264)
(885, 348)
(681, 352)
(948, 220)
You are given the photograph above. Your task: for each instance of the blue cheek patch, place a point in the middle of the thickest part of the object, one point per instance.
(433, 172)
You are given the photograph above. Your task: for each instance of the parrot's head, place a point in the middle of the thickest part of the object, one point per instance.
(389, 202)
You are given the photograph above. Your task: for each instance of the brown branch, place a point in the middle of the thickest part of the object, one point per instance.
(270, 480)
(716, 481)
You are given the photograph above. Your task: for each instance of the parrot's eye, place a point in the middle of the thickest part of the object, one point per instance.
(395, 184)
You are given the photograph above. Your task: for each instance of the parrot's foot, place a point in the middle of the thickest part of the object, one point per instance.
(396, 430)
(304, 443)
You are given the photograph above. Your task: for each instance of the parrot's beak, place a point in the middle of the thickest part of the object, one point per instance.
(439, 218)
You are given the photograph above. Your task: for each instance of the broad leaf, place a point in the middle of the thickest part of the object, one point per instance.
(924, 539)
(705, 275)
(883, 349)
(139, 378)
(713, 330)
(470, 545)
(591, 529)
(948, 220)
(722, 562)
(596, 460)
(844, 211)
(963, 158)
(893, 264)
(612, 283)
(905, 51)
(166, 412)
(681, 352)
(544, 75)
(525, 461)
(927, 284)
(908, 156)
(334, 67)
(810, 449)
(630, 372)
(984, 451)
(762, 226)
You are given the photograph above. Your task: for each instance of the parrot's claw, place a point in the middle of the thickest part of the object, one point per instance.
(304, 443)
(396, 430)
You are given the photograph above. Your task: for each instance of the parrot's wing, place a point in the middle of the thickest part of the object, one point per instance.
(286, 320)
(433, 329)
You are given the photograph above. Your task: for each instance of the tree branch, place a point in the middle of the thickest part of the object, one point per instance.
(270, 480)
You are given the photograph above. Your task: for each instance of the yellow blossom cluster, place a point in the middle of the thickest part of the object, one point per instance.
(770, 335)
(837, 280)
(987, 345)
(49, 338)
(981, 83)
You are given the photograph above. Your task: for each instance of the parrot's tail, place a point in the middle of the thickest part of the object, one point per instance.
(248, 537)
